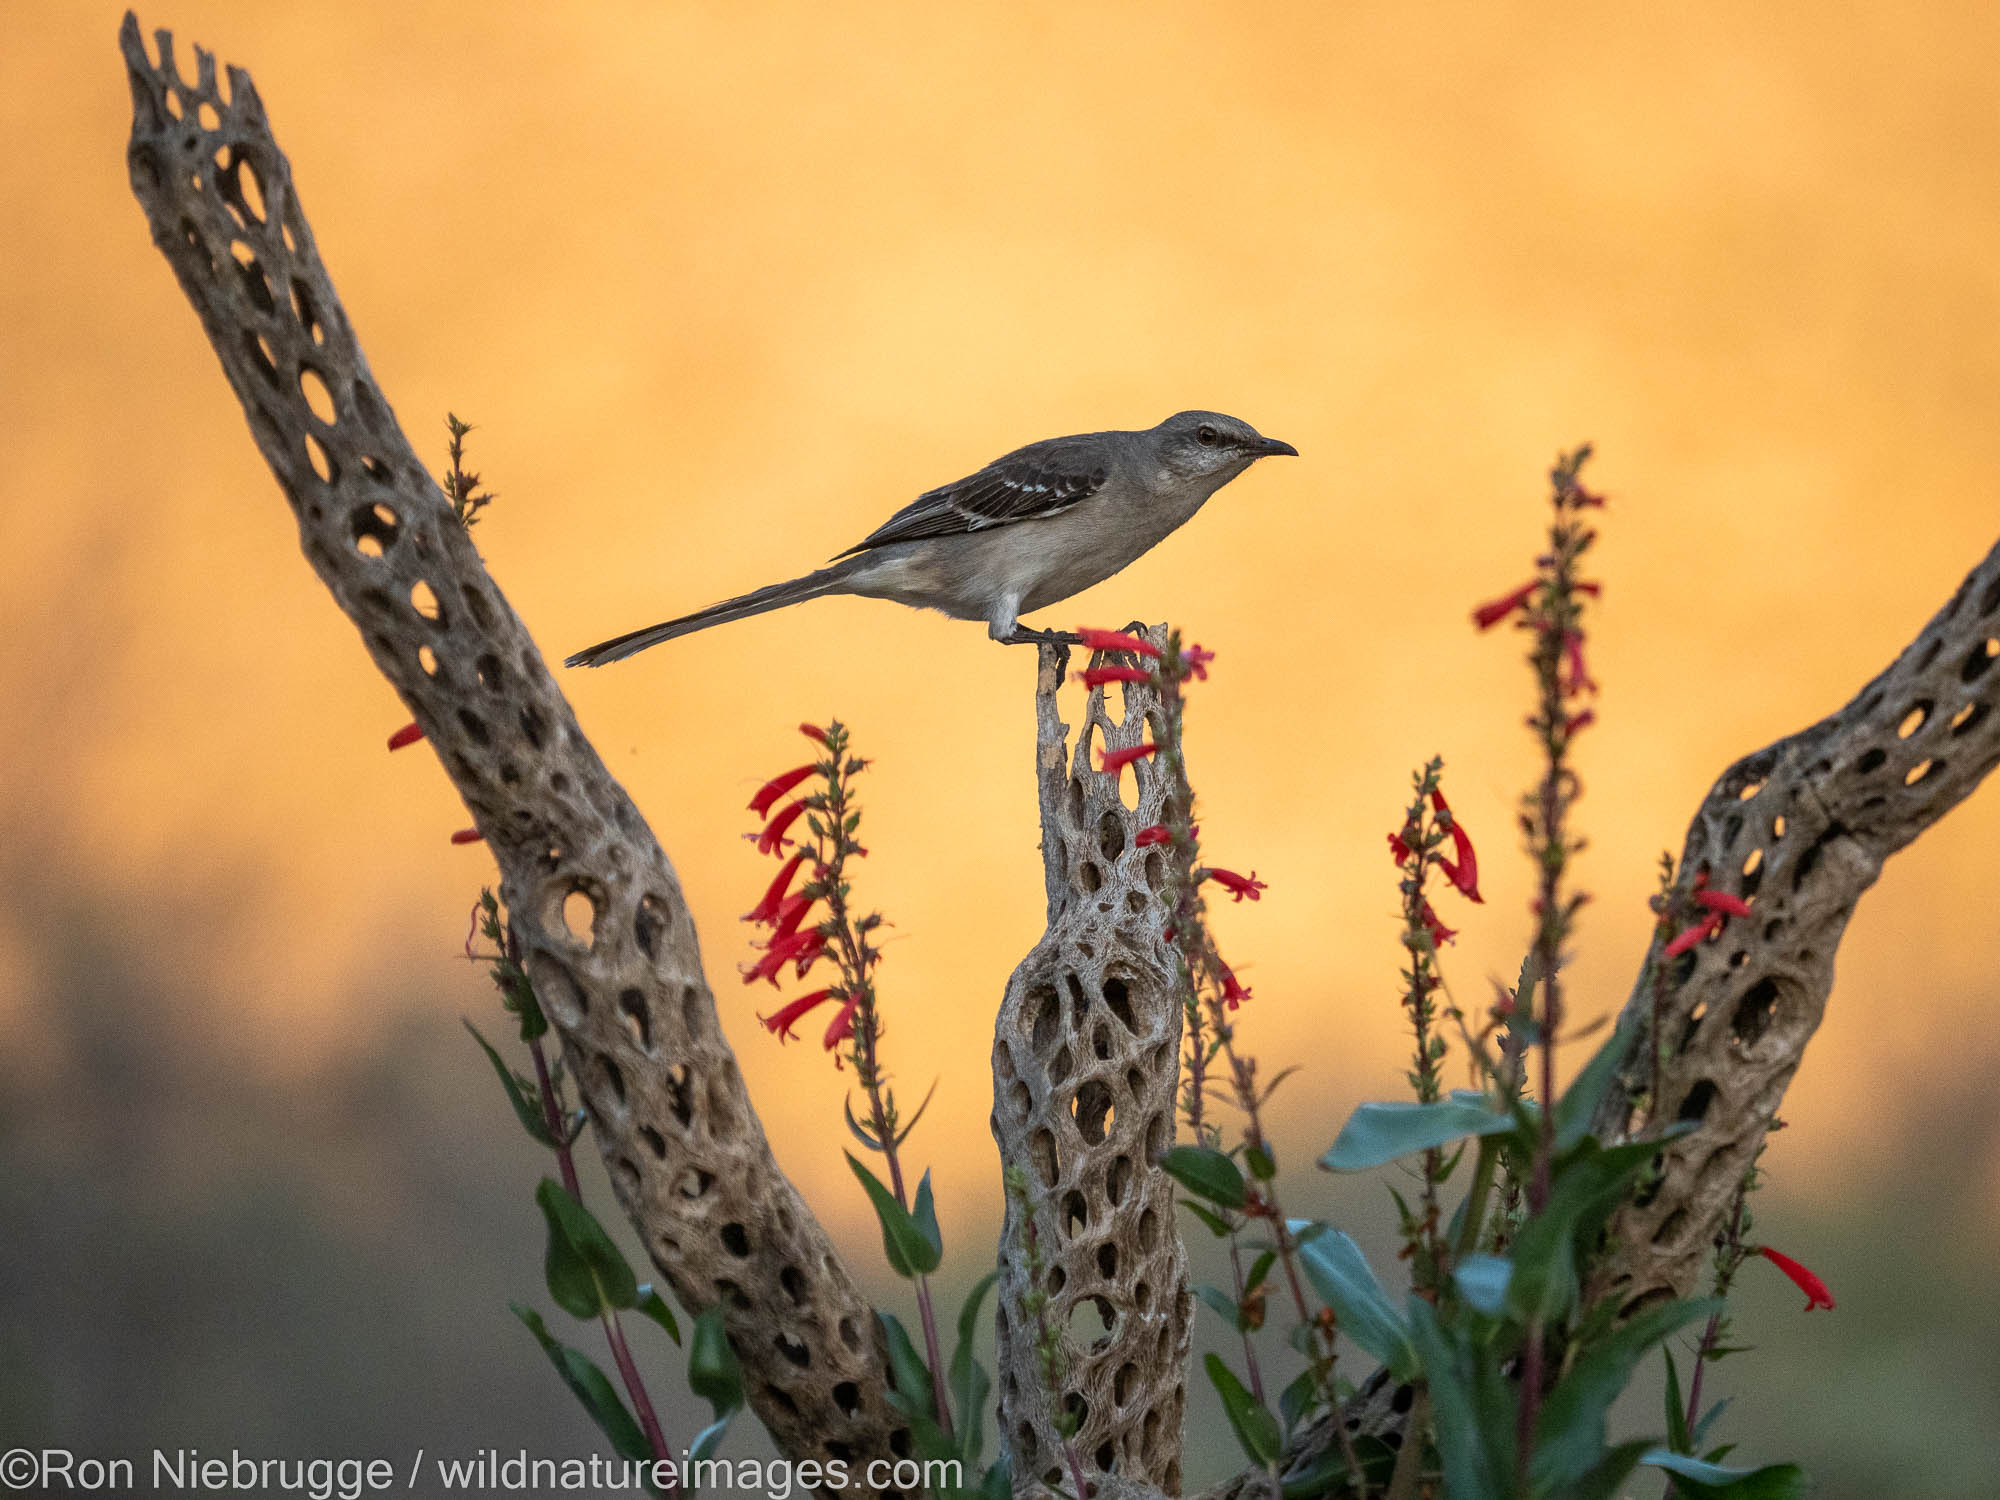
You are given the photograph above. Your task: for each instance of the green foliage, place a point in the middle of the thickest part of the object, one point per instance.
(587, 1273)
(590, 1387)
(1206, 1173)
(1379, 1133)
(911, 1242)
(1256, 1429)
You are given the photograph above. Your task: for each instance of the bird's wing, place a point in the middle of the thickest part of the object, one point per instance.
(1030, 484)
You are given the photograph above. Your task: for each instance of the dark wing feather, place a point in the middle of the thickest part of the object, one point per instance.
(1030, 484)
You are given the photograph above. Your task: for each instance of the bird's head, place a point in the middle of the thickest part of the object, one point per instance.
(1209, 445)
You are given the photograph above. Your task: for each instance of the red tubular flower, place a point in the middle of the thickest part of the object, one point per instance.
(1464, 872)
(1816, 1293)
(409, 734)
(1722, 901)
(1117, 640)
(766, 910)
(1440, 934)
(467, 836)
(842, 1025)
(1579, 721)
(780, 1025)
(813, 732)
(1706, 928)
(1112, 762)
(804, 947)
(1582, 498)
(1588, 586)
(772, 839)
(1098, 676)
(1233, 992)
(1576, 676)
(1158, 833)
(1398, 850)
(1238, 886)
(1494, 611)
(776, 787)
(1196, 661)
(791, 912)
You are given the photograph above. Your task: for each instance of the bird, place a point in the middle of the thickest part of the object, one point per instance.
(1028, 530)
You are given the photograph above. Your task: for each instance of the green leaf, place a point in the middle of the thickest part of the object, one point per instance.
(589, 1385)
(908, 1249)
(1207, 1173)
(1262, 1164)
(1472, 1471)
(998, 1483)
(925, 1215)
(1569, 1436)
(529, 1114)
(654, 1306)
(1256, 1428)
(710, 1437)
(1604, 1478)
(1706, 1481)
(1378, 1133)
(586, 1272)
(1340, 1274)
(1215, 1225)
(969, 1381)
(713, 1371)
(1224, 1305)
(1295, 1402)
(1588, 1184)
(1707, 1421)
(1679, 1438)
(912, 1392)
(1482, 1281)
(1259, 1269)
(1578, 1106)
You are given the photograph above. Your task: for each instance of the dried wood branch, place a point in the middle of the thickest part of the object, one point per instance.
(1801, 830)
(1086, 1061)
(686, 1153)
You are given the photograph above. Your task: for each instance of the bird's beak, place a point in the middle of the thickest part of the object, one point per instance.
(1272, 447)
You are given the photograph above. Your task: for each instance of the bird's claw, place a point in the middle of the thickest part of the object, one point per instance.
(1021, 635)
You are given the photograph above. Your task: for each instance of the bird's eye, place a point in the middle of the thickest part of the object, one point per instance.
(1205, 435)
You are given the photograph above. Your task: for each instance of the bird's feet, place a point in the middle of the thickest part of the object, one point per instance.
(1021, 635)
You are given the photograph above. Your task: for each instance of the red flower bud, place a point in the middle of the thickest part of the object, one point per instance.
(1579, 721)
(1816, 1293)
(1440, 934)
(1117, 640)
(842, 1026)
(1722, 901)
(409, 734)
(813, 732)
(1706, 928)
(1158, 833)
(1098, 676)
(1238, 886)
(1493, 612)
(776, 787)
(467, 836)
(1575, 677)
(1196, 660)
(1113, 761)
(1398, 850)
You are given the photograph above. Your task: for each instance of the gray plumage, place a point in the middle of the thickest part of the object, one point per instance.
(1027, 531)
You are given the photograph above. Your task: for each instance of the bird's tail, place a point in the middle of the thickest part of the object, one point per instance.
(794, 591)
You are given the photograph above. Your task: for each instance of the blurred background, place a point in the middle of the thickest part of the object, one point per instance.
(721, 287)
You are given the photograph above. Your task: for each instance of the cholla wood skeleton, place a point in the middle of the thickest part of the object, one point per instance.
(1086, 1047)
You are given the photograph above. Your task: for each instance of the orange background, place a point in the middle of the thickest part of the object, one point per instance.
(722, 286)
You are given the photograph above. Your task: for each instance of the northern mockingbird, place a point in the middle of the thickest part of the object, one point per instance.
(1028, 530)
